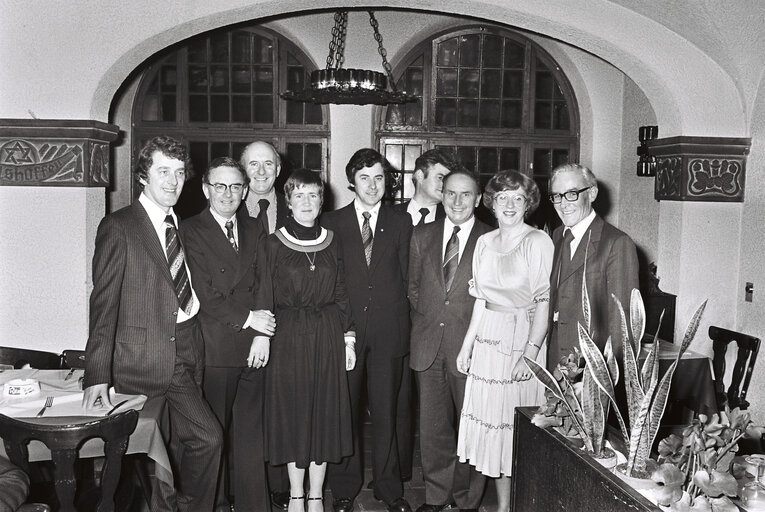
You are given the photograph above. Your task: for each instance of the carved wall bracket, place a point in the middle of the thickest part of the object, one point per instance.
(52, 152)
(700, 168)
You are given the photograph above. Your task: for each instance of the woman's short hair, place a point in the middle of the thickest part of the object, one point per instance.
(512, 180)
(302, 177)
(169, 147)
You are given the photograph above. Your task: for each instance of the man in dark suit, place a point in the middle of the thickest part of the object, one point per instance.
(374, 246)
(611, 262)
(424, 207)
(144, 335)
(226, 255)
(440, 316)
(263, 164)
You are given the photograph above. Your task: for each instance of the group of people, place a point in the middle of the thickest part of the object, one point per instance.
(262, 324)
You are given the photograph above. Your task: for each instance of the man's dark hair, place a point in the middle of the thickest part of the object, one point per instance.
(225, 161)
(367, 157)
(169, 147)
(461, 171)
(436, 156)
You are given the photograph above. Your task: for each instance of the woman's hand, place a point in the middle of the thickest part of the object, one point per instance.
(259, 352)
(263, 321)
(463, 358)
(350, 358)
(520, 371)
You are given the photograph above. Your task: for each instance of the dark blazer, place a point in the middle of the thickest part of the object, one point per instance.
(440, 213)
(229, 284)
(612, 268)
(132, 324)
(378, 293)
(439, 318)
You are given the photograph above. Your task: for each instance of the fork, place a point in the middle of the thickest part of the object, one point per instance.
(48, 403)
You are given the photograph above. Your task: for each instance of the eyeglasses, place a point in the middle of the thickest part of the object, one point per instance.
(571, 195)
(221, 188)
(503, 199)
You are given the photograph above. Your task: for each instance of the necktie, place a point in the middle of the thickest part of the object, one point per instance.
(423, 213)
(177, 265)
(366, 237)
(263, 214)
(230, 235)
(451, 258)
(565, 252)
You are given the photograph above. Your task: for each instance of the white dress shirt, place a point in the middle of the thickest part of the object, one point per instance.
(413, 209)
(375, 212)
(578, 230)
(462, 235)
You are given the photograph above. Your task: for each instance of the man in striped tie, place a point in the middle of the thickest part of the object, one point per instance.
(144, 336)
(374, 245)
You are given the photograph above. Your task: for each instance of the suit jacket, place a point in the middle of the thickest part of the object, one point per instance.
(229, 284)
(378, 292)
(133, 307)
(439, 318)
(612, 268)
(440, 213)
(282, 211)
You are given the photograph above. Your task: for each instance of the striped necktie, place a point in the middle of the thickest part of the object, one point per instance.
(451, 258)
(366, 237)
(230, 235)
(177, 266)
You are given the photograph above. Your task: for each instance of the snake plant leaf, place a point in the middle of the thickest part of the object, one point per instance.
(613, 366)
(690, 331)
(659, 403)
(652, 360)
(632, 383)
(638, 453)
(637, 318)
(550, 383)
(592, 414)
(585, 296)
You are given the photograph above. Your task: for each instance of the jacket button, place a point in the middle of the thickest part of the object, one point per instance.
(236, 326)
(231, 292)
(366, 308)
(175, 313)
(441, 324)
(446, 302)
(222, 270)
(172, 338)
(370, 286)
(249, 288)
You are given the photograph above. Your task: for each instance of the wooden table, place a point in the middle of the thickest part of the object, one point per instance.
(147, 438)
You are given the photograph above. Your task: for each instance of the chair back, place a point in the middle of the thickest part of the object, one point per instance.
(73, 358)
(748, 346)
(18, 357)
(64, 442)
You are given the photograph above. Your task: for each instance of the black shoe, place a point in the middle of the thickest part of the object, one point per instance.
(433, 508)
(343, 505)
(399, 505)
(468, 510)
(280, 499)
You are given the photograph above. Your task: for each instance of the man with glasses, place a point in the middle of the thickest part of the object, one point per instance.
(610, 258)
(226, 254)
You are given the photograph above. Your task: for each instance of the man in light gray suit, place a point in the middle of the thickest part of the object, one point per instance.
(441, 310)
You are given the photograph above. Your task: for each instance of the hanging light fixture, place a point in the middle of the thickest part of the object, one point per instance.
(344, 86)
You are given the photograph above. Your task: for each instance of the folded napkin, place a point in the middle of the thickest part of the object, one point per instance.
(65, 404)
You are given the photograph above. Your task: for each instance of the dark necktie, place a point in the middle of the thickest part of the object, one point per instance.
(366, 237)
(263, 205)
(177, 266)
(230, 235)
(451, 258)
(423, 213)
(565, 252)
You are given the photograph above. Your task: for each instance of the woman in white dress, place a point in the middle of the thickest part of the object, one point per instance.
(511, 283)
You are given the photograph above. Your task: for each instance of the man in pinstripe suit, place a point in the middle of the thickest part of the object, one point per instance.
(144, 337)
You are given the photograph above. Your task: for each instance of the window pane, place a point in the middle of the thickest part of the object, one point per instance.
(294, 112)
(467, 114)
(264, 109)
(491, 83)
(414, 113)
(411, 154)
(240, 47)
(295, 155)
(219, 46)
(512, 84)
(469, 49)
(219, 109)
(313, 157)
(414, 81)
(447, 52)
(218, 79)
(492, 51)
(218, 149)
(198, 51)
(150, 111)
(446, 84)
(313, 114)
(197, 79)
(263, 51)
(198, 108)
(446, 112)
(490, 114)
(394, 155)
(241, 109)
(545, 84)
(510, 158)
(169, 78)
(515, 55)
(168, 107)
(542, 162)
(560, 116)
(560, 157)
(295, 79)
(469, 83)
(487, 161)
(542, 115)
(512, 114)
(240, 78)
(466, 155)
(264, 77)
(395, 114)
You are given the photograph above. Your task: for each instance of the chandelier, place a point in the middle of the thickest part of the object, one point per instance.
(344, 86)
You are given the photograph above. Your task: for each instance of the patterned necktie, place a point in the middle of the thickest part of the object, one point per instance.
(451, 258)
(423, 213)
(230, 235)
(263, 205)
(177, 266)
(366, 237)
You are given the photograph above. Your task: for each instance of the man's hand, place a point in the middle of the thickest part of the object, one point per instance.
(96, 396)
(263, 320)
(350, 358)
(463, 359)
(259, 351)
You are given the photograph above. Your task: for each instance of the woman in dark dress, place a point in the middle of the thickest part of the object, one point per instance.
(307, 403)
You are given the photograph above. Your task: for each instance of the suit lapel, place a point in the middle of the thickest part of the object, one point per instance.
(434, 242)
(148, 237)
(381, 242)
(215, 235)
(349, 226)
(588, 246)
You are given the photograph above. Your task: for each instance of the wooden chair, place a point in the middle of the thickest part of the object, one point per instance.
(748, 346)
(18, 357)
(64, 442)
(73, 359)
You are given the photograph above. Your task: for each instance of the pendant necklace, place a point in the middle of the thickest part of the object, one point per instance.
(311, 262)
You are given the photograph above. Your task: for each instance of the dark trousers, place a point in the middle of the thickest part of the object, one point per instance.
(383, 381)
(407, 398)
(195, 435)
(241, 390)
(441, 392)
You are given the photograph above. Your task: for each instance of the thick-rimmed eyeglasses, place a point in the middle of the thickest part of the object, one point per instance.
(516, 199)
(221, 188)
(571, 195)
